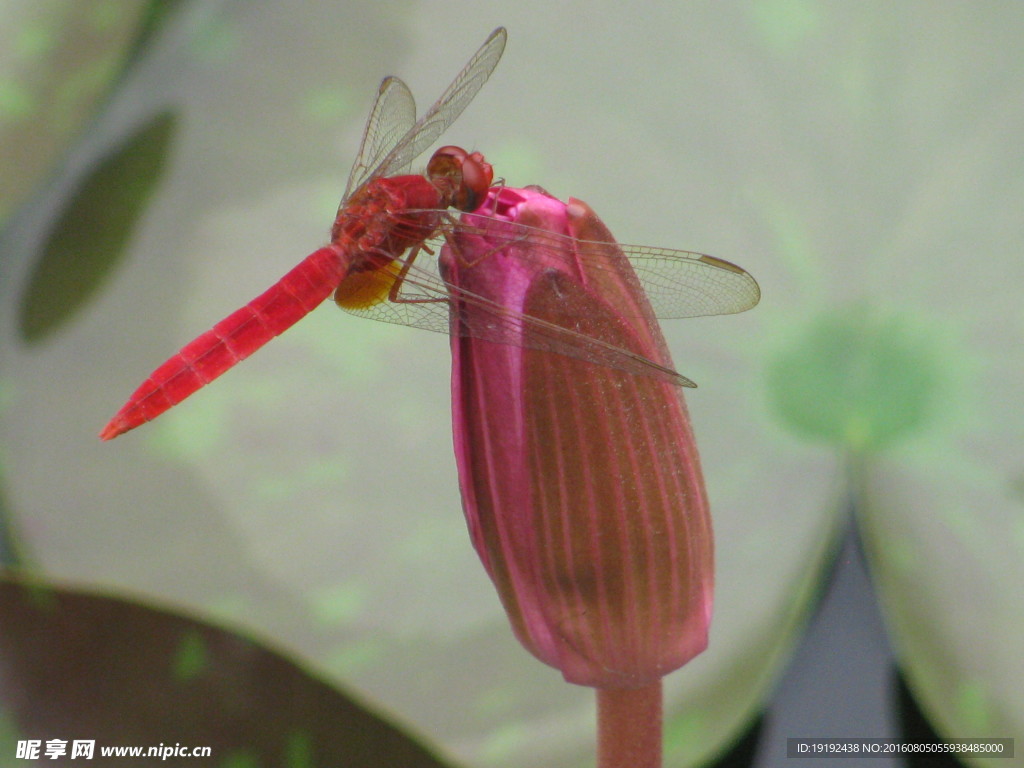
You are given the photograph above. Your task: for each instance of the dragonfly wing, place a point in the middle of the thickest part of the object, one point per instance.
(678, 284)
(425, 301)
(684, 284)
(447, 108)
(392, 117)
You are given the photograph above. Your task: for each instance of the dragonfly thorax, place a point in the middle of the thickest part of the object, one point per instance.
(385, 218)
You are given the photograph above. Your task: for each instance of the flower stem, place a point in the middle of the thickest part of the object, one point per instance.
(629, 727)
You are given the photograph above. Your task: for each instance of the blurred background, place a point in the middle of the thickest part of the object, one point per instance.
(163, 163)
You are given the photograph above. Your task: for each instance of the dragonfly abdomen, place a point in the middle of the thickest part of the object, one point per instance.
(233, 339)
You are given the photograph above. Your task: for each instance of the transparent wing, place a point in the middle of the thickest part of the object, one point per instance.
(678, 283)
(442, 114)
(425, 302)
(684, 284)
(391, 118)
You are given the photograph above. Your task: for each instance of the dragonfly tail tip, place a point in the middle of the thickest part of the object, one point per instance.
(113, 429)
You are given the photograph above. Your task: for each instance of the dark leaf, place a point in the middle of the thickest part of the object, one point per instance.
(156, 16)
(915, 729)
(82, 666)
(89, 238)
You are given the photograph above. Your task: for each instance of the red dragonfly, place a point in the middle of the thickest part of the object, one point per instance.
(379, 219)
(375, 263)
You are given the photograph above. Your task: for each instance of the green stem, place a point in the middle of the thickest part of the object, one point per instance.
(629, 727)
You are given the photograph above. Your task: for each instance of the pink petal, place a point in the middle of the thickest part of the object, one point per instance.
(581, 483)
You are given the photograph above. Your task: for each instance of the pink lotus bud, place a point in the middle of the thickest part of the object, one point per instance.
(580, 480)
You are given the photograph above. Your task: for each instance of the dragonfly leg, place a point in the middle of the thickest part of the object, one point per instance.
(470, 263)
(395, 296)
(498, 184)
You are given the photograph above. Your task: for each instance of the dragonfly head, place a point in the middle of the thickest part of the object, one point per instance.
(462, 176)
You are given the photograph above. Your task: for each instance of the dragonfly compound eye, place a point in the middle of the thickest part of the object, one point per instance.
(465, 176)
